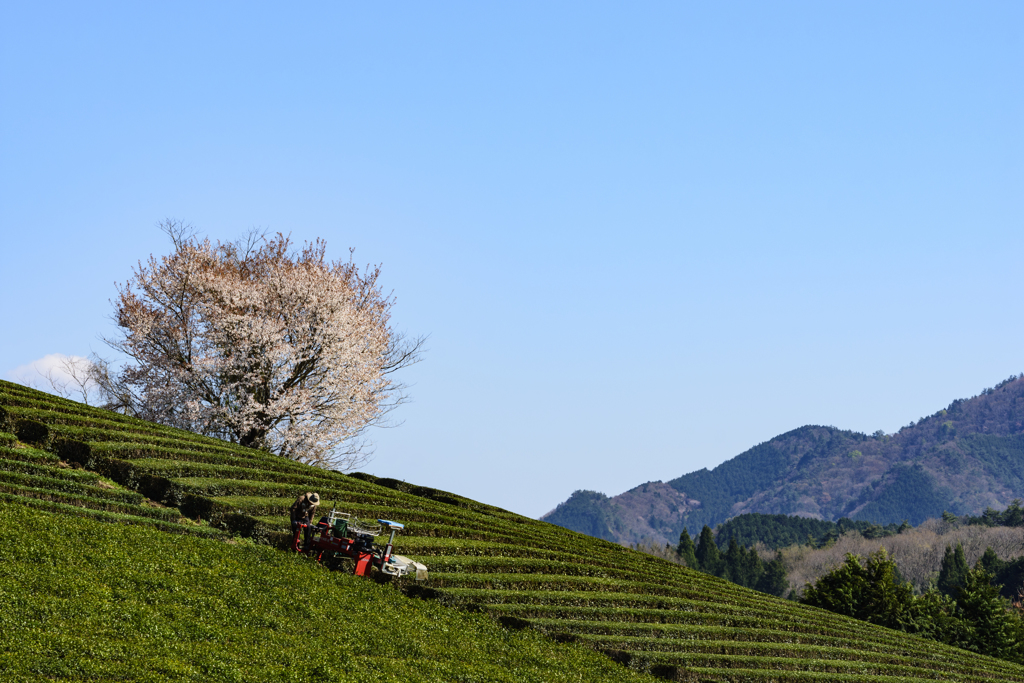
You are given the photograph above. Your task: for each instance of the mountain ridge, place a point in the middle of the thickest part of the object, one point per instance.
(963, 458)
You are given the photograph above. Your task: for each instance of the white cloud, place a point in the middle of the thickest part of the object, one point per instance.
(50, 374)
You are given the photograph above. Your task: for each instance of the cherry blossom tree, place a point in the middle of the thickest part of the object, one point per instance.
(259, 344)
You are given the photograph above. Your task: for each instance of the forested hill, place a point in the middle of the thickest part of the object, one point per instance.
(964, 459)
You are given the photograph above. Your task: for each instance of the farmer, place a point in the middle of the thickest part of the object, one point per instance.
(302, 510)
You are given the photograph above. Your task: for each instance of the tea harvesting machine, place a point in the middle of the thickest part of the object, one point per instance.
(340, 536)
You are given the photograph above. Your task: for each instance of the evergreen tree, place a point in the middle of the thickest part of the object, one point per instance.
(890, 600)
(953, 571)
(1014, 514)
(840, 590)
(1011, 576)
(940, 619)
(752, 568)
(742, 566)
(733, 562)
(977, 619)
(995, 631)
(990, 562)
(686, 550)
(708, 557)
(871, 593)
(773, 577)
(829, 539)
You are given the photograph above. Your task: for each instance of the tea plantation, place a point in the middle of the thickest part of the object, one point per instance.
(82, 600)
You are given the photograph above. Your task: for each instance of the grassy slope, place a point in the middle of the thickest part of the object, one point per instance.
(648, 613)
(83, 600)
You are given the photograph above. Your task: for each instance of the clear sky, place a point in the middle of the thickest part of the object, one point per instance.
(643, 237)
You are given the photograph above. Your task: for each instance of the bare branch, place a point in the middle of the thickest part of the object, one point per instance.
(73, 375)
(179, 233)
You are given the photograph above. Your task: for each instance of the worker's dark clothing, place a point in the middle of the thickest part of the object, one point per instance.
(302, 509)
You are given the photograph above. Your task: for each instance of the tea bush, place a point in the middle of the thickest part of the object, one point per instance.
(100, 602)
(489, 564)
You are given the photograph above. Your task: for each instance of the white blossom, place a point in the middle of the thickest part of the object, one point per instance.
(251, 342)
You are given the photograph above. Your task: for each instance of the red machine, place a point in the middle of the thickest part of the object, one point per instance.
(340, 536)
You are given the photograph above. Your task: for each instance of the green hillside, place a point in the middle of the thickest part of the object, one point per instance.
(82, 600)
(78, 594)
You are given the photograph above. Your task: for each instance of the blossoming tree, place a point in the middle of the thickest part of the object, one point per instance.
(258, 344)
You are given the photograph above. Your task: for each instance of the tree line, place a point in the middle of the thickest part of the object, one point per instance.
(979, 609)
(1013, 515)
(964, 610)
(781, 531)
(740, 565)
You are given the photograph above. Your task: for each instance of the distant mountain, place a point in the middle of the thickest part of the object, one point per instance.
(963, 459)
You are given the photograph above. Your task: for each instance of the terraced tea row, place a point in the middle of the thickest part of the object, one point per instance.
(647, 613)
(98, 602)
(41, 480)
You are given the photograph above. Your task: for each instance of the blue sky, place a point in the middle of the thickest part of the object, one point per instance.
(641, 238)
